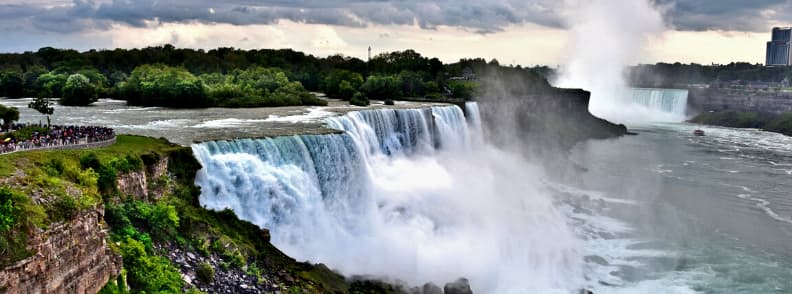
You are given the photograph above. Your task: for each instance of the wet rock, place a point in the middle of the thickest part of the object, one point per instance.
(461, 286)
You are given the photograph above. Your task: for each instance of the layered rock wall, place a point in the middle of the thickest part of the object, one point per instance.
(770, 102)
(70, 257)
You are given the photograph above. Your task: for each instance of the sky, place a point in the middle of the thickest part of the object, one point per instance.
(525, 32)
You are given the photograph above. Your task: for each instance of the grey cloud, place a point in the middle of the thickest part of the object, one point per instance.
(738, 15)
(479, 16)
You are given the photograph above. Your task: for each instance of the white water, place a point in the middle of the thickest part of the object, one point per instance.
(664, 105)
(414, 195)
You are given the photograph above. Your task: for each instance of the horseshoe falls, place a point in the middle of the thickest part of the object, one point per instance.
(414, 195)
(668, 104)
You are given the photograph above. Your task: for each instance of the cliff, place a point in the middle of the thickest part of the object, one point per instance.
(543, 123)
(716, 99)
(71, 257)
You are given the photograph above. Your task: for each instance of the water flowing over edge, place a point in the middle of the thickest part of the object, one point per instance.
(410, 194)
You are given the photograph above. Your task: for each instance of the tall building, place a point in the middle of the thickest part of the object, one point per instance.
(779, 49)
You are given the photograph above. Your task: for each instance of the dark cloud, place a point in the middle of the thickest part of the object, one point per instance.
(475, 15)
(736, 15)
(488, 16)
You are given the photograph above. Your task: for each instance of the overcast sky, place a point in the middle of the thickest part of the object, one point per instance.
(524, 32)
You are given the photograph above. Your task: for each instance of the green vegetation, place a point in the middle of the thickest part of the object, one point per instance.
(9, 115)
(205, 273)
(78, 91)
(162, 85)
(228, 77)
(43, 106)
(771, 123)
(359, 99)
(148, 273)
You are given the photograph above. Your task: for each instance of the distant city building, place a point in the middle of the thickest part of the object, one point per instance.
(779, 49)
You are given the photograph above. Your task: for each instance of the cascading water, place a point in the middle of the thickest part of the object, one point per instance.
(413, 195)
(670, 102)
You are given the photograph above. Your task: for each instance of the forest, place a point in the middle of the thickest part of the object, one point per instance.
(227, 77)
(671, 75)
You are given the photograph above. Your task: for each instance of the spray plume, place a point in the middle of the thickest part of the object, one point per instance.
(606, 37)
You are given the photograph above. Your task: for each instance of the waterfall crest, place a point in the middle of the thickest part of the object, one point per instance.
(411, 194)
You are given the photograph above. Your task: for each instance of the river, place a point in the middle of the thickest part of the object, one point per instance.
(710, 214)
(662, 211)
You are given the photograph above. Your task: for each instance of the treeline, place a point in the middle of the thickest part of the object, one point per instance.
(228, 77)
(670, 74)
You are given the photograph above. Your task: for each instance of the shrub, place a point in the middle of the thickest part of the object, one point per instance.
(205, 273)
(64, 208)
(389, 102)
(149, 273)
(359, 99)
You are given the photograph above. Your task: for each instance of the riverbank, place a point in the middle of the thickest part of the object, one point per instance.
(781, 123)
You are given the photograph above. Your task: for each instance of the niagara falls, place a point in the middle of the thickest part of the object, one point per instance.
(396, 147)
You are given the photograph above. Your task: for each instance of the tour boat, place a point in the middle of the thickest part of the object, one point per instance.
(698, 133)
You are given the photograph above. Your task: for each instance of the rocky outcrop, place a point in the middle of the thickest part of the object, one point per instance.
(544, 123)
(146, 184)
(70, 257)
(716, 99)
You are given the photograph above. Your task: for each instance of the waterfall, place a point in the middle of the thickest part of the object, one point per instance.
(670, 104)
(410, 194)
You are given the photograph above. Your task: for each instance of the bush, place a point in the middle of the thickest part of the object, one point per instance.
(149, 273)
(205, 273)
(64, 208)
(389, 102)
(359, 99)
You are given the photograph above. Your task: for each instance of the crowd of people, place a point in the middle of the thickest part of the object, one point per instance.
(54, 136)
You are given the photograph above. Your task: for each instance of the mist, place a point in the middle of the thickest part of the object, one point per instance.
(606, 37)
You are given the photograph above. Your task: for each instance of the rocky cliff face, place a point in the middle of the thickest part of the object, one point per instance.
(71, 257)
(543, 123)
(702, 100)
(144, 185)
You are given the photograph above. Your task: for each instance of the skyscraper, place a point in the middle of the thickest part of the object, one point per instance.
(779, 49)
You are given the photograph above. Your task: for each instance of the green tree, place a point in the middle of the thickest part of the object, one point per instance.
(346, 90)
(462, 89)
(78, 91)
(382, 87)
(51, 85)
(43, 106)
(9, 115)
(332, 82)
(162, 85)
(11, 84)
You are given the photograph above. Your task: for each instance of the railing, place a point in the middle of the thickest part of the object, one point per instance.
(82, 144)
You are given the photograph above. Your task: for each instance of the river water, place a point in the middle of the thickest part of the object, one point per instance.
(660, 212)
(684, 214)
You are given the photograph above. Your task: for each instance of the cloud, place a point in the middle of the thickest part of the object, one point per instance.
(479, 16)
(727, 15)
(473, 15)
